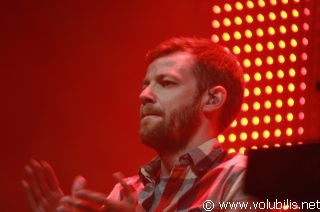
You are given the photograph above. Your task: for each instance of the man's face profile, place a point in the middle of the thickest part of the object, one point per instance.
(170, 104)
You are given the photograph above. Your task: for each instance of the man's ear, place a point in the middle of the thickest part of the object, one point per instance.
(215, 98)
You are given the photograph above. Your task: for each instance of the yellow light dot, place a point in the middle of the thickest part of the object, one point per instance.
(291, 87)
(227, 7)
(215, 38)
(231, 150)
(247, 48)
(281, 59)
(254, 135)
(283, 29)
(260, 17)
(266, 119)
(282, 44)
(277, 133)
(248, 33)
(258, 61)
(283, 14)
(292, 72)
(290, 102)
(278, 118)
(257, 76)
(289, 132)
(246, 63)
(272, 16)
(259, 32)
(215, 24)
(273, 2)
(280, 74)
(238, 20)
(236, 50)
(285, 1)
(216, 9)
(254, 147)
(294, 28)
(244, 121)
(245, 107)
(265, 146)
(226, 22)
(232, 137)
(270, 45)
(266, 134)
(289, 116)
(250, 4)
(269, 60)
(246, 92)
(279, 88)
(239, 6)
(267, 104)
(249, 19)
(246, 77)
(293, 42)
(261, 3)
(277, 145)
(243, 136)
(255, 120)
(259, 47)
(242, 150)
(268, 89)
(257, 91)
(279, 103)
(269, 75)
(221, 138)
(271, 31)
(226, 36)
(237, 35)
(295, 13)
(256, 106)
(234, 123)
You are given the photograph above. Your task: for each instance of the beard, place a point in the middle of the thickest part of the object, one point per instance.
(173, 133)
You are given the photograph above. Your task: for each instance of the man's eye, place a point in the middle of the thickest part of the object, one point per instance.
(166, 83)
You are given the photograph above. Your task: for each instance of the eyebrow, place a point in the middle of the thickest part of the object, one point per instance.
(161, 76)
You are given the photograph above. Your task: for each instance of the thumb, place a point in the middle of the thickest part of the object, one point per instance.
(78, 184)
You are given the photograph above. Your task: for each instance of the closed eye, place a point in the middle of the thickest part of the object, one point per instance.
(167, 83)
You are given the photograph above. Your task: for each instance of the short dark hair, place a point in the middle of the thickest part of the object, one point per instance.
(214, 66)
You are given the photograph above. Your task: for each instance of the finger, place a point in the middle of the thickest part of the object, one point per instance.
(29, 196)
(39, 174)
(64, 208)
(33, 184)
(128, 191)
(89, 195)
(78, 184)
(51, 176)
(80, 204)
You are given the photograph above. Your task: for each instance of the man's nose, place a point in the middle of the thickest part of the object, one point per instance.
(146, 96)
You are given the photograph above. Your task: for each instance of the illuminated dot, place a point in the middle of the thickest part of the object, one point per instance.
(293, 42)
(267, 104)
(265, 146)
(226, 22)
(250, 4)
(290, 102)
(277, 145)
(269, 60)
(294, 28)
(239, 6)
(231, 150)
(258, 61)
(291, 87)
(283, 29)
(281, 59)
(300, 130)
(261, 3)
(292, 72)
(266, 119)
(305, 26)
(260, 17)
(282, 44)
(215, 24)
(246, 63)
(245, 107)
(238, 20)
(289, 116)
(257, 91)
(305, 41)
(270, 45)
(279, 103)
(254, 135)
(303, 71)
(254, 147)
(216, 9)
(227, 7)
(300, 143)
(285, 1)
(302, 101)
(277, 133)
(279, 88)
(259, 47)
(280, 74)
(242, 150)
(248, 33)
(234, 124)
(246, 92)
(283, 14)
(273, 2)
(237, 35)
(304, 56)
(243, 136)
(288, 144)
(249, 19)
(266, 134)
(255, 120)
(306, 11)
(269, 75)
(232, 137)
(303, 86)
(289, 132)
(247, 48)
(215, 38)
(246, 77)
(236, 50)
(272, 16)
(301, 115)
(244, 121)
(257, 76)
(295, 13)
(271, 31)
(278, 118)
(268, 89)
(221, 138)
(256, 106)
(226, 36)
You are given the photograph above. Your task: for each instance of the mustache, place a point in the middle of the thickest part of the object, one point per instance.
(149, 110)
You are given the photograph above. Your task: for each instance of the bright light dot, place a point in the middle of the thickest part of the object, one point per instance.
(258, 61)
(277, 145)
(215, 38)
(227, 7)
(261, 3)
(246, 63)
(254, 135)
(259, 47)
(244, 121)
(254, 147)
(247, 48)
(300, 130)
(250, 4)
(226, 36)
(294, 28)
(304, 56)
(279, 103)
(305, 26)
(269, 60)
(260, 17)
(292, 72)
(303, 86)
(267, 104)
(259, 32)
(282, 44)
(279, 88)
(249, 19)
(236, 50)
(246, 77)
(266, 134)
(270, 45)
(221, 138)
(283, 14)
(306, 11)
(273, 2)
(302, 101)
(303, 71)
(239, 6)
(243, 136)
(257, 76)
(268, 89)
(293, 42)
(278, 118)
(301, 115)
(289, 116)
(281, 59)
(283, 29)
(257, 91)
(215, 24)
(242, 150)
(226, 22)
(256, 105)
(305, 41)
(295, 13)
(232, 137)
(277, 133)
(216, 9)
(280, 74)
(271, 31)
(246, 92)
(238, 20)
(272, 16)
(288, 144)
(248, 33)
(255, 120)
(289, 132)
(231, 150)
(291, 87)
(269, 75)
(266, 119)
(234, 123)
(237, 35)
(285, 1)
(290, 102)
(245, 107)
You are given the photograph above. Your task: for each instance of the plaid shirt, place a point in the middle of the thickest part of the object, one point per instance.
(205, 173)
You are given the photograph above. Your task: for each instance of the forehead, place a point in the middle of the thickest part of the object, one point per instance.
(178, 65)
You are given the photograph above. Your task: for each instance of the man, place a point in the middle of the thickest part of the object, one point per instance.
(192, 91)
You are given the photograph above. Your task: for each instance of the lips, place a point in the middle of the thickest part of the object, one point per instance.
(148, 111)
